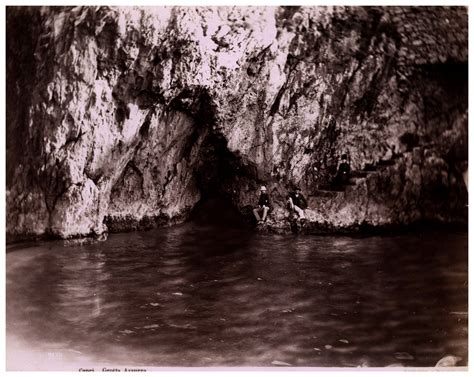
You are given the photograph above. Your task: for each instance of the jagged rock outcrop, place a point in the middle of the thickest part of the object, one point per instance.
(124, 118)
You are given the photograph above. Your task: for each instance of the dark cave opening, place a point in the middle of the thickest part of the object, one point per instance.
(218, 211)
(215, 169)
(220, 175)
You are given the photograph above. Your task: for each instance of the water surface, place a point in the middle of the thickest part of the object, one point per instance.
(205, 295)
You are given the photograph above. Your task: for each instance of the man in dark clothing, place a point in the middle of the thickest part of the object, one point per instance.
(297, 203)
(263, 205)
(342, 175)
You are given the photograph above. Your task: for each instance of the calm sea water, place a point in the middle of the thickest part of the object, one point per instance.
(207, 295)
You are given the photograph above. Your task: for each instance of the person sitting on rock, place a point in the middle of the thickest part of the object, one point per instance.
(297, 203)
(263, 206)
(342, 175)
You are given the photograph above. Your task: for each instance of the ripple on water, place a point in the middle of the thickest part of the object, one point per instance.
(195, 296)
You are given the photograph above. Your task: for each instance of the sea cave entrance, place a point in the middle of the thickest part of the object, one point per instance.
(220, 175)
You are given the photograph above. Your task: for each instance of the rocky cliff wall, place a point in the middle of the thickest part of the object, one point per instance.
(124, 118)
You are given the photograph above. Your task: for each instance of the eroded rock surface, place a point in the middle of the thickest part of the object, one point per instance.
(124, 118)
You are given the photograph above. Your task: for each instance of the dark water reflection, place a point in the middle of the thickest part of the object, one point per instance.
(211, 296)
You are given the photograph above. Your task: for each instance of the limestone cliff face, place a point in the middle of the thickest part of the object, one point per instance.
(124, 118)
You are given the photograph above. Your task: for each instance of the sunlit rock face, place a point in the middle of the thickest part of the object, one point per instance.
(124, 118)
